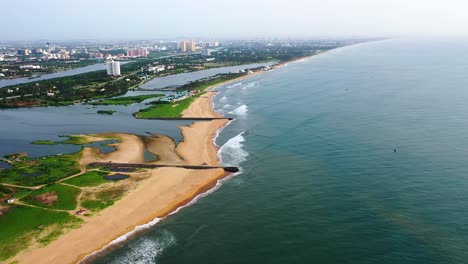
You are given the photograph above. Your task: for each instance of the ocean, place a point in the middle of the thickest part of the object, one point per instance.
(357, 155)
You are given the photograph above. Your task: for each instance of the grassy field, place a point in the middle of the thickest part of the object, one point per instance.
(21, 224)
(166, 110)
(103, 199)
(127, 100)
(89, 179)
(106, 112)
(66, 197)
(38, 171)
(74, 140)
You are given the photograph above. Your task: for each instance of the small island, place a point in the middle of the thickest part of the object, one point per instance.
(106, 112)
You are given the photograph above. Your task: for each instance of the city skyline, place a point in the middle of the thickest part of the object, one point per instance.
(209, 19)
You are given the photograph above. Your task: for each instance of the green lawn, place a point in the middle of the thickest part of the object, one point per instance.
(104, 198)
(92, 178)
(67, 196)
(127, 100)
(21, 224)
(106, 112)
(38, 171)
(166, 110)
(74, 140)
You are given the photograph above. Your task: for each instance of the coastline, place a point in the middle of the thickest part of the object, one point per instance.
(166, 195)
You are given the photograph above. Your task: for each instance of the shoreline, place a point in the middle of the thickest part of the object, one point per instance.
(197, 137)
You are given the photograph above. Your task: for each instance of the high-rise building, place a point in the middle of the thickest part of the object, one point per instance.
(113, 68)
(24, 52)
(206, 52)
(137, 53)
(183, 46)
(192, 45)
(187, 45)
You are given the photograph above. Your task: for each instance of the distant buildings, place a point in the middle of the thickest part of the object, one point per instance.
(113, 68)
(187, 46)
(24, 52)
(206, 52)
(30, 67)
(137, 53)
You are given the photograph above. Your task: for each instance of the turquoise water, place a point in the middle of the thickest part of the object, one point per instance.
(358, 155)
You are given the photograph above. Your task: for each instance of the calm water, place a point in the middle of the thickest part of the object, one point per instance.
(20, 127)
(184, 78)
(90, 68)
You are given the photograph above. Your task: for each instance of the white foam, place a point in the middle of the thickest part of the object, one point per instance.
(232, 152)
(124, 237)
(249, 85)
(223, 99)
(146, 251)
(234, 85)
(239, 111)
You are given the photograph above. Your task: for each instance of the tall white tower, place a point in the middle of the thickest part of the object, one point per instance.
(116, 68)
(113, 68)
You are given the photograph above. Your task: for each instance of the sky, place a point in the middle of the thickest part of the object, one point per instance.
(233, 19)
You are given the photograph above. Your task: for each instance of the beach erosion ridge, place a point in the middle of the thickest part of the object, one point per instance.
(160, 192)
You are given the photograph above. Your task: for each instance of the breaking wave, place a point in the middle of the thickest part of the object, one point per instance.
(146, 251)
(249, 85)
(223, 99)
(239, 111)
(232, 152)
(234, 85)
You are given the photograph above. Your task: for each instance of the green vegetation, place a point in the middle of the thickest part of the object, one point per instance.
(166, 110)
(203, 84)
(20, 193)
(44, 142)
(74, 140)
(175, 109)
(92, 178)
(127, 100)
(21, 224)
(103, 199)
(56, 196)
(5, 191)
(106, 112)
(37, 171)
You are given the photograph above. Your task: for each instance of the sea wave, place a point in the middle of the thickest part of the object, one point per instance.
(249, 85)
(239, 111)
(223, 99)
(232, 152)
(146, 251)
(122, 238)
(234, 85)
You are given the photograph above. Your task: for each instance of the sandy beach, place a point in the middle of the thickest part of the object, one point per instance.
(155, 196)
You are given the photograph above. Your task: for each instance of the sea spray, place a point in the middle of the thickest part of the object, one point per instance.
(147, 250)
(240, 111)
(232, 152)
(234, 85)
(249, 85)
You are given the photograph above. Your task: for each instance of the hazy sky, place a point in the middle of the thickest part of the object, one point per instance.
(150, 19)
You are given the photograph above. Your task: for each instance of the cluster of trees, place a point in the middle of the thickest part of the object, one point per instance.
(68, 89)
